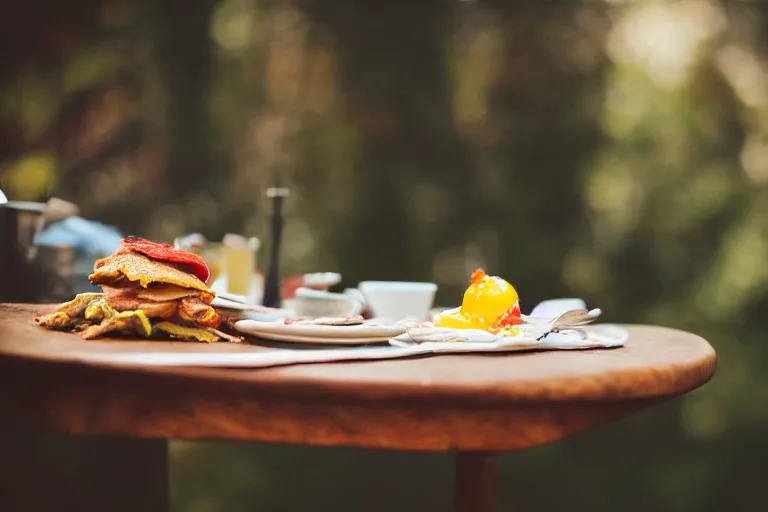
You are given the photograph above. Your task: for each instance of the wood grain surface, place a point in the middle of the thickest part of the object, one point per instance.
(466, 402)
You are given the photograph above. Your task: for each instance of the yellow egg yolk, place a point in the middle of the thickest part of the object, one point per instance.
(484, 301)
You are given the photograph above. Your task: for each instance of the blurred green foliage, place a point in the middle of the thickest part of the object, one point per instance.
(615, 151)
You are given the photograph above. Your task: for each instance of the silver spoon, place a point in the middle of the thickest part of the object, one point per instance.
(535, 327)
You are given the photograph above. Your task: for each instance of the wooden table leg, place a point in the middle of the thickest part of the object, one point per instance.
(475, 484)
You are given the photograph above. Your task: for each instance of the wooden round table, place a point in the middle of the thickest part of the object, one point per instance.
(476, 405)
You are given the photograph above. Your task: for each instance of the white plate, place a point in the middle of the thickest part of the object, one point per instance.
(252, 311)
(321, 340)
(368, 332)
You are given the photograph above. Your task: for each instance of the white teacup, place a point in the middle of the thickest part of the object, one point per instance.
(397, 300)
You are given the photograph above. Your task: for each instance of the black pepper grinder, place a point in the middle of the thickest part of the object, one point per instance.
(276, 195)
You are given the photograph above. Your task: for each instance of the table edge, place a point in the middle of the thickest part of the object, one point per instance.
(681, 379)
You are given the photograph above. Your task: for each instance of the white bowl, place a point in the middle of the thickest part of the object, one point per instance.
(397, 300)
(315, 303)
(321, 279)
(555, 307)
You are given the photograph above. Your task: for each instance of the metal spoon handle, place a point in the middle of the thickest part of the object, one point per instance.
(576, 317)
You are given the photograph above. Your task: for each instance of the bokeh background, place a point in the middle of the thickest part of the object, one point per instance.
(611, 150)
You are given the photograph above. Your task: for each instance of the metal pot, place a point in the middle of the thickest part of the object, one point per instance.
(18, 221)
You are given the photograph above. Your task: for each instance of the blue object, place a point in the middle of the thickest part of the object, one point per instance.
(90, 240)
(85, 236)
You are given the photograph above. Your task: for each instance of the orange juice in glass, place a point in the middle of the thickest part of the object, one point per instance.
(209, 251)
(238, 259)
(212, 256)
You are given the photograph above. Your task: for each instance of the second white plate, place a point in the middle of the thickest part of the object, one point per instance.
(320, 334)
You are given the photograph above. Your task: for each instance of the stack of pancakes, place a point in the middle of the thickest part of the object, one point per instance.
(142, 296)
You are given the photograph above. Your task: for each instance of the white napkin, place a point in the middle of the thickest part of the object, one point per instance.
(597, 336)
(600, 336)
(594, 336)
(255, 359)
